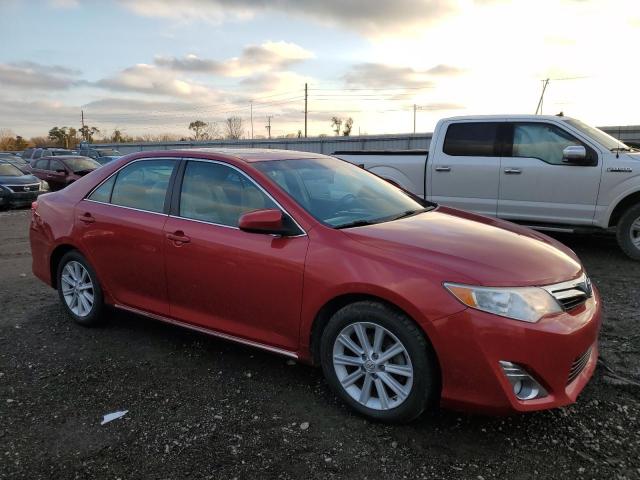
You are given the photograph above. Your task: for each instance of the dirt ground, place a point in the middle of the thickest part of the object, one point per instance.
(204, 408)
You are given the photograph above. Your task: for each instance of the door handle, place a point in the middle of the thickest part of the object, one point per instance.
(512, 171)
(178, 237)
(443, 169)
(86, 218)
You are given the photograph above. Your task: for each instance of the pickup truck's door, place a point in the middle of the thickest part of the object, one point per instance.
(536, 185)
(465, 167)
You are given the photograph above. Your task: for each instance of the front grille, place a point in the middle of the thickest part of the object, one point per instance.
(24, 188)
(578, 365)
(571, 294)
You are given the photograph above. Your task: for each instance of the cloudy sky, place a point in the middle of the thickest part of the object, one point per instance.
(151, 66)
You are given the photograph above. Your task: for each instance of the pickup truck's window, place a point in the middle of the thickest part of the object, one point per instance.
(143, 185)
(338, 193)
(215, 193)
(541, 140)
(476, 139)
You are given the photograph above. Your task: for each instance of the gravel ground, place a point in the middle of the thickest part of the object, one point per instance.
(204, 408)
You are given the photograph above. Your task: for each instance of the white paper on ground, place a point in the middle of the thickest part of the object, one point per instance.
(113, 416)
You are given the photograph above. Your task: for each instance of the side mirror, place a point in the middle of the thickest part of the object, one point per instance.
(269, 221)
(574, 154)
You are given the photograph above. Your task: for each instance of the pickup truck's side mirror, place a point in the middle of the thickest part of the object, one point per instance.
(575, 154)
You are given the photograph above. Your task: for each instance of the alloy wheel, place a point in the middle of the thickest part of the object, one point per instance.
(77, 288)
(372, 365)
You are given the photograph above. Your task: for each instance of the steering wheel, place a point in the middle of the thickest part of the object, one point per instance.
(345, 201)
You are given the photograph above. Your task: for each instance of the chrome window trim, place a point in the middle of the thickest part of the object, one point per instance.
(244, 174)
(123, 206)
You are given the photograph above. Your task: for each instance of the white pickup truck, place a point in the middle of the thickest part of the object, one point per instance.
(548, 172)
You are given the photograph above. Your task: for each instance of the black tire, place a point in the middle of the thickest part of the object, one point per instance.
(624, 232)
(425, 389)
(96, 314)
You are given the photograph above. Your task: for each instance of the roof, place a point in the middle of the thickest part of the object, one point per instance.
(253, 154)
(509, 116)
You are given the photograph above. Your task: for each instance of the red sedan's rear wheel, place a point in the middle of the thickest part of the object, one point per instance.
(79, 290)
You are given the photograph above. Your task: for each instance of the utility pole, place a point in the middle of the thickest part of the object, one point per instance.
(82, 120)
(268, 126)
(251, 104)
(414, 117)
(306, 96)
(545, 83)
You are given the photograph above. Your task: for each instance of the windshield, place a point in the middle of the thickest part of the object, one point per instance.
(12, 158)
(338, 193)
(604, 139)
(55, 153)
(108, 152)
(8, 170)
(79, 164)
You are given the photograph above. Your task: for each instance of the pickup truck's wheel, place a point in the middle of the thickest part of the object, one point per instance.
(378, 362)
(79, 290)
(628, 232)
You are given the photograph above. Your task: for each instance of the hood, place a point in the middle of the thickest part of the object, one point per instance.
(470, 248)
(23, 180)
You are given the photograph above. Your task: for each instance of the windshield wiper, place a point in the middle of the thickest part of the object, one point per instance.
(622, 149)
(406, 213)
(409, 213)
(356, 223)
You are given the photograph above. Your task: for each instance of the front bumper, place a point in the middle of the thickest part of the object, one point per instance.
(472, 344)
(19, 199)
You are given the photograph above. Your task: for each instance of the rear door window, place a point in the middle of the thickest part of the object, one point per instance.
(142, 185)
(474, 139)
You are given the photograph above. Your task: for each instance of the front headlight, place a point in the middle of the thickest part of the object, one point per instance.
(528, 304)
(44, 186)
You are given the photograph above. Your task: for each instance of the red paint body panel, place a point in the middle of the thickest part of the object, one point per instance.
(244, 284)
(268, 290)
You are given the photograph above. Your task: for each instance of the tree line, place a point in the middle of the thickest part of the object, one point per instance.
(233, 128)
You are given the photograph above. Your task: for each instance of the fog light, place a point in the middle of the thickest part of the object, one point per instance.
(525, 387)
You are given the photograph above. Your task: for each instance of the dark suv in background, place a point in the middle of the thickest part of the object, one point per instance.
(59, 172)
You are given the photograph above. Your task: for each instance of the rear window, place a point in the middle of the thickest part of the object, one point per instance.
(475, 139)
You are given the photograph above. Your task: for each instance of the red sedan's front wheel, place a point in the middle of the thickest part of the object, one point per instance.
(378, 361)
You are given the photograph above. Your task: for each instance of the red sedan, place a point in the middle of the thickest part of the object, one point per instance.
(403, 303)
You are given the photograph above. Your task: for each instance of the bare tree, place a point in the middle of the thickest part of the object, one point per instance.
(234, 129)
(212, 131)
(336, 123)
(348, 126)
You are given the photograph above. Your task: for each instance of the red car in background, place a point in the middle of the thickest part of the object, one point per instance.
(62, 170)
(403, 303)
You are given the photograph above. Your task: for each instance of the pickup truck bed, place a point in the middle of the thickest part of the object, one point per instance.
(404, 168)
